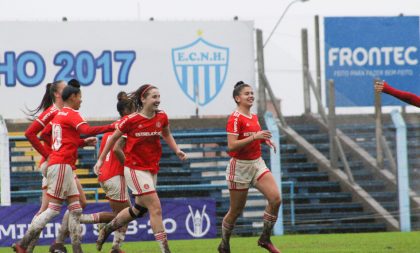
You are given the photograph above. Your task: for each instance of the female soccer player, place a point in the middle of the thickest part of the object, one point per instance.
(111, 173)
(143, 151)
(247, 168)
(410, 98)
(67, 126)
(51, 103)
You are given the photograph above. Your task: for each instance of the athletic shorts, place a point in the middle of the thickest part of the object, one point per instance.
(140, 182)
(43, 169)
(61, 182)
(115, 189)
(241, 174)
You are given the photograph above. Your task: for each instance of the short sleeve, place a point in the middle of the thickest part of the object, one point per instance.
(47, 115)
(165, 122)
(232, 126)
(124, 124)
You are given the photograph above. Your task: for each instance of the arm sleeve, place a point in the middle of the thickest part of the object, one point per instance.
(232, 126)
(94, 130)
(405, 96)
(31, 135)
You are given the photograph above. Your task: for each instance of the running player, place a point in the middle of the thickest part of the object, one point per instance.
(143, 152)
(247, 168)
(111, 173)
(410, 98)
(67, 126)
(51, 104)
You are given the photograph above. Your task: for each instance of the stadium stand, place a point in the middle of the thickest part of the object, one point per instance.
(320, 205)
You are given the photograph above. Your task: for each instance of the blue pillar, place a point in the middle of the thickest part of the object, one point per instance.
(402, 164)
(275, 166)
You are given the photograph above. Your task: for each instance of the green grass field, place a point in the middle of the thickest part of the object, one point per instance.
(331, 243)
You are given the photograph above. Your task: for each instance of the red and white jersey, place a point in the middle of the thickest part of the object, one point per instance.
(47, 115)
(143, 149)
(44, 119)
(111, 166)
(65, 138)
(244, 126)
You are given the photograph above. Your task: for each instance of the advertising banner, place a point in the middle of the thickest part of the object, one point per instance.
(194, 64)
(182, 218)
(359, 49)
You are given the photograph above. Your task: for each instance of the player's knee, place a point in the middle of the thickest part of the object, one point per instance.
(156, 211)
(75, 208)
(275, 201)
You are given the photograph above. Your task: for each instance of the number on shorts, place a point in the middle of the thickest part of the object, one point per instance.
(56, 136)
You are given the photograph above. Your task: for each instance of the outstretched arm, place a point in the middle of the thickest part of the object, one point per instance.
(405, 96)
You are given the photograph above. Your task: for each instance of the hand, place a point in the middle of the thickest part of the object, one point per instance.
(96, 168)
(263, 135)
(181, 155)
(91, 141)
(379, 86)
(271, 145)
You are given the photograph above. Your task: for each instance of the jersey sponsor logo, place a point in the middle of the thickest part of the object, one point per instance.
(147, 134)
(200, 68)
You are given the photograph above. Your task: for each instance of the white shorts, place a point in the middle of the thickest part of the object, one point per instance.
(241, 174)
(140, 182)
(61, 182)
(115, 189)
(43, 169)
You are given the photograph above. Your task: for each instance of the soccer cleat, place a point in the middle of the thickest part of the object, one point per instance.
(57, 248)
(268, 245)
(223, 249)
(17, 248)
(102, 236)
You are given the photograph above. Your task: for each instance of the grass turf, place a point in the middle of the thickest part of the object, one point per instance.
(326, 243)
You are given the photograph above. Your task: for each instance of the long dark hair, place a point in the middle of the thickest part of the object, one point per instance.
(73, 87)
(238, 88)
(47, 100)
(141, 92)
(124, 103)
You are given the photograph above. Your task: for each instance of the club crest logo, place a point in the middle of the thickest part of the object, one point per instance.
(200, 69)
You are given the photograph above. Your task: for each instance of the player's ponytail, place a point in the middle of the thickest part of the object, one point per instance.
(47, 100)
(238, 88)
(73, 87)
(124, 105)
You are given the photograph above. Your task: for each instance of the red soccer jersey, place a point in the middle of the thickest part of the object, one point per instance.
(244, 126)
(143, 149)
(111, 166)
(65, 138)
(43, 119)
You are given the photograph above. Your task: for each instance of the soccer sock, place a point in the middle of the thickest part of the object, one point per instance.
(62, 232)
(122, 219)
(269, 221)
(162, 239)
(94, 218)
(74, 223)
(226, 232)
(39, 223)
(119, 237)
(33, 242)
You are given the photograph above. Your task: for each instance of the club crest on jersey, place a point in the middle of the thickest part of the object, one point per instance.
(158, 124)
(200, 68)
